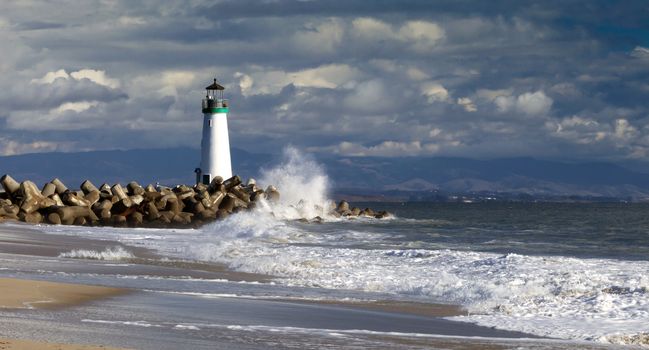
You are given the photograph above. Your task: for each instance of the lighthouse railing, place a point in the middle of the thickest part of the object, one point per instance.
(214, 103)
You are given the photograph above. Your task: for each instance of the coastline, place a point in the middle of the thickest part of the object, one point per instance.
(150, 278)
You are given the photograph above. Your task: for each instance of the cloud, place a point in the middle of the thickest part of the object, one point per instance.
(76, 107)
(319, 38)
(421, 36)
(529, 103)
(96, 76)
(536, 103)
(49, 77)
(624, 130)
(467, 104)
(386, 149)
(434, 92)
(330, 76)
(9, 147)
(640, 52)
(370, 96)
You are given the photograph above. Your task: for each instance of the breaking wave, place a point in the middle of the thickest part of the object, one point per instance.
(111, 254)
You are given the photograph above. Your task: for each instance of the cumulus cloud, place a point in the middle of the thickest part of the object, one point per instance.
(434, 92)
(529, 103)
(49, 77)
(386, 149)
(329, 76)
(535, 103)
(467, 104)
(421, 36)
(9, 147)
(98, 77)
(319, 38)
(640, 52)
(74, 106)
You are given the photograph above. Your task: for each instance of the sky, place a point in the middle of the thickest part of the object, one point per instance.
(478, 79)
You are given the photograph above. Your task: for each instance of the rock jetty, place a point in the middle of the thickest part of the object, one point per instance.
(137, 206)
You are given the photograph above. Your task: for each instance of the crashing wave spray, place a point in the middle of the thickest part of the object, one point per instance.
(303, 185)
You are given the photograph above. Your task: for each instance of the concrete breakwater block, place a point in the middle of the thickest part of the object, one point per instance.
(138, 206)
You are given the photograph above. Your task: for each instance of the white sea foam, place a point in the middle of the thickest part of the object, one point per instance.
(144, 324)
(114, 253)
(303, 186)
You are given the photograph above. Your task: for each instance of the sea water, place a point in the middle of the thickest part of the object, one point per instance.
(570, 271)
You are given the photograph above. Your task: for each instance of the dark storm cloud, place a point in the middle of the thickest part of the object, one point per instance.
(395, 78)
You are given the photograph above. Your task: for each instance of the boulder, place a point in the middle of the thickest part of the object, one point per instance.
(231, 182)
(118, 191)
(88, 187)
(69, 214)
(228, 203)
(48, 189)
(79, 221)
(92, 197)
(221, 214)
(60, 187)
(72, 199)
(152, 212)
(54, 219)
(342, 207)
(215, 185)
(136, 199)
(31, 218)
(57, 200)
(32, 198)
(9, 184)
(119, 220)
(121, 206)
(240, 193)
(136, 219)
(105, 188)
(134, 188)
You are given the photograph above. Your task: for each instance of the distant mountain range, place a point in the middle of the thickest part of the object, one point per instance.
(406, 177)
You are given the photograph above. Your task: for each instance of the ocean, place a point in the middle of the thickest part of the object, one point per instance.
(571, 271)
(568, 271)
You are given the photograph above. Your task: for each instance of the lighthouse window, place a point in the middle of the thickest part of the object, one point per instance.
(210, 122)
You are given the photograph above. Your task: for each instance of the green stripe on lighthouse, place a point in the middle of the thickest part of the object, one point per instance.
(215, 110)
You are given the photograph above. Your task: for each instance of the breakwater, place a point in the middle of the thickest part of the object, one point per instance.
(138, 206)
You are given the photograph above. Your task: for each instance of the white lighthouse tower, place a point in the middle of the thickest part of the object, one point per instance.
(215, 145)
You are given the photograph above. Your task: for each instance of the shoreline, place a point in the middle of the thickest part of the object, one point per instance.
(392, 320)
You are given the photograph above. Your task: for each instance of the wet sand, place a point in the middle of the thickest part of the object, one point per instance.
(21, 344)
(29, 294)
(403, 307)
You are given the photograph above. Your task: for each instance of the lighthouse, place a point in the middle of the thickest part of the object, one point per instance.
(215, 144)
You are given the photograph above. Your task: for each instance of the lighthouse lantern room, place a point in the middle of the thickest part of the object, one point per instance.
(215, 144)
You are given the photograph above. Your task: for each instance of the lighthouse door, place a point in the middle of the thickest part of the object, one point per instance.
(206, 179)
